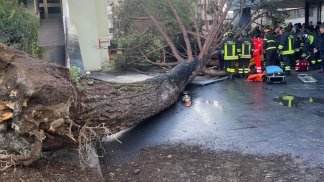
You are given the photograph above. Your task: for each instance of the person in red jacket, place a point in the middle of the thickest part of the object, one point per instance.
(258, 51)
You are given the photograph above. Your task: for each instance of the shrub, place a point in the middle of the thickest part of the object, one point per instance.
(18, 27)
(75, 77)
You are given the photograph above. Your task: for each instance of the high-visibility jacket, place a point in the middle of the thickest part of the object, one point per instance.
(230, 49)
(311, 39)
(309, 43)
(269, 42)
(287, 44)
(297, 41)
(258, 52)
(246, 48)
(258, 46)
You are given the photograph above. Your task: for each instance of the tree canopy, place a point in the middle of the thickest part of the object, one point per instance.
(133, 30)
(18, 27)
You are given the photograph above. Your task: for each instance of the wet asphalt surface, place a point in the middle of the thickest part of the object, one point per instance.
(236, 116)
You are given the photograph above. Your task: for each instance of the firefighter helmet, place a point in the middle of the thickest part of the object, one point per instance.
(284, 26)
(230, 33)
(266, 30)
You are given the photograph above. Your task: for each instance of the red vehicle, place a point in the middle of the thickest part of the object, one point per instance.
(302, 65)
(258, 52)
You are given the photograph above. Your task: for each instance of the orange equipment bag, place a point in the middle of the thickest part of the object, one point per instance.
(259, 77)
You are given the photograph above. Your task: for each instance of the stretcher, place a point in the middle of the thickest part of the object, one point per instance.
(305, 78)
(274, 74)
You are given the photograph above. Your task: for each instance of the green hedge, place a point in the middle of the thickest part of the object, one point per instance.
(18, 27)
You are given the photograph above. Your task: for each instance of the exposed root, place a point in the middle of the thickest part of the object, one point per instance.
(89, 134)
(6, 111)
(56, 124)
(5, 164)
(24, 157)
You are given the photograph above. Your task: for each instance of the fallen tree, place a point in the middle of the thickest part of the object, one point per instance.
(39, 103)
(43, 107)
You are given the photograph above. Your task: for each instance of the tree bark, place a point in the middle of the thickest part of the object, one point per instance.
(47, 107)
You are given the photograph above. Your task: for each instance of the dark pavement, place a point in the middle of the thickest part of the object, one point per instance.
(237, 116)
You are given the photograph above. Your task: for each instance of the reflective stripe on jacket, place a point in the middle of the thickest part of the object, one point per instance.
(230, 49)
(286, 44)
(269, 42)
(247, 48)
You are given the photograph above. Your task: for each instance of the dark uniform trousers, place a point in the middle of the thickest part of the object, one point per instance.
(286, 47)
(271, 57)
(270, 47)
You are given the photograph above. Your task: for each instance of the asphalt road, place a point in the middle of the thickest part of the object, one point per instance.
(237, 116)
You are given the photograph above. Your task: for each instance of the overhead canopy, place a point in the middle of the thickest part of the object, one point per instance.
(286, 3)
(293, 3)
(290, 4)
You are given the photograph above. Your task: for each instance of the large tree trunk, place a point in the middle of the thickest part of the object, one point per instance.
(39, 105)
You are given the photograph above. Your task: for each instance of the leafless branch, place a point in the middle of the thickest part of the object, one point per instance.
(165, 36)
(183, 30)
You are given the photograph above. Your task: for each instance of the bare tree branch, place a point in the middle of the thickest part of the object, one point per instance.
(219, 17)
(197, 35)
(183, 30)
(197, 29)
(205, 16)
(165, 36)
(158, 64)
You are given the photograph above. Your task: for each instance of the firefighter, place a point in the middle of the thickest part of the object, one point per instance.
(287, 50)
(302, 46)
(269, 45)
(230, 49)
(309, 45)
(278, 33)
(258, 51)
(245, 54)
(319, 47)
(298, 42)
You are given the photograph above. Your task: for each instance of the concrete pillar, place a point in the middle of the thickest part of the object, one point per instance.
(45, 8)
(319, 11)
(83, 14)
(103, 29)
(245, 17)
(72, 45)
(30, 6)
(322, 13)
(306, 12)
